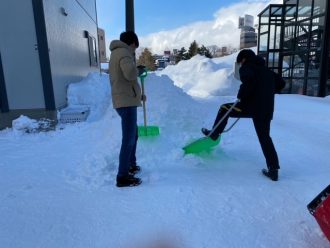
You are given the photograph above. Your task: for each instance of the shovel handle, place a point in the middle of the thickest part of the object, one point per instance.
(142, 76)
(221, 120)
(144, 105)
(232, 125)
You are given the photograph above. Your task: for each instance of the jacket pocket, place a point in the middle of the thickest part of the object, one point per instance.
(134, 92)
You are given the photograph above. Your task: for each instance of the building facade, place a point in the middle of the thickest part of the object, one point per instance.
(294, 40)
(248, 36)
(44, 46)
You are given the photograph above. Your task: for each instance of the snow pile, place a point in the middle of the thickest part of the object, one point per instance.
(203, 77)
(93, 91)
(105, 66)
(24, 123)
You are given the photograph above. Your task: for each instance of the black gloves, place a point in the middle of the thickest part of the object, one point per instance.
(141, 69)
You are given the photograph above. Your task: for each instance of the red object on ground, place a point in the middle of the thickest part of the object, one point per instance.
(320, 209)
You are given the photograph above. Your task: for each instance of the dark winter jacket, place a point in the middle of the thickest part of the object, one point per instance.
(257, 89)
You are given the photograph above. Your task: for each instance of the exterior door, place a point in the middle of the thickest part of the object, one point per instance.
(20, 57)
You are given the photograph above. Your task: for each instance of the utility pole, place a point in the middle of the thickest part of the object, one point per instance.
(130, 15)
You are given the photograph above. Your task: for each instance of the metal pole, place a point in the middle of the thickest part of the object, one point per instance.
(325, 54)
(130, 15)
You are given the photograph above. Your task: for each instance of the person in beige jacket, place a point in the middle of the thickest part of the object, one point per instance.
(126, 97)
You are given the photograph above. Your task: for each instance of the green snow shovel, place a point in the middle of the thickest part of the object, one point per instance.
(206, 144)
(146, 130)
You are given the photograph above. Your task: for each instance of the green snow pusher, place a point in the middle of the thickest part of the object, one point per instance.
(145, 130)
(206, 144)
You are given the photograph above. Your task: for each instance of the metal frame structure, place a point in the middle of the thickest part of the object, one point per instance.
(293, 40)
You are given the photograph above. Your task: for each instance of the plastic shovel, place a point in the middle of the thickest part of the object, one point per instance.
(206, 144)
(146, 130)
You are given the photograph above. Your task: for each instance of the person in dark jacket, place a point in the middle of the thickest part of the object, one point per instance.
(256, 101)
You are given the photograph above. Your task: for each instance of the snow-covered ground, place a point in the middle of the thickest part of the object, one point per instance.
(57, 188)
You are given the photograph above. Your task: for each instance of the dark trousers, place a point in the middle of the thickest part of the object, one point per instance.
(129, 139)
(262, 127)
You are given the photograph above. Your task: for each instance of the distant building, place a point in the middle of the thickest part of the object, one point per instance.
(162, 62)
(102, 47)
(172, 59)
(248, 36)
(168, 58)
(240, 22)
(246, 21)
(167, 53)
(224, 51)
(44, 46)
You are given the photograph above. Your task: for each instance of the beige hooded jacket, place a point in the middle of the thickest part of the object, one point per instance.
(125, 90)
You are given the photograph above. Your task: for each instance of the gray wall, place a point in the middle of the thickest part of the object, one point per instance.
(89, 6)
(69, 53)
(19, 57)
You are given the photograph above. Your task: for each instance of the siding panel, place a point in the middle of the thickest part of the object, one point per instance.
(69, 53)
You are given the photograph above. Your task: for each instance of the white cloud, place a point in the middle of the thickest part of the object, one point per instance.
(221, 31)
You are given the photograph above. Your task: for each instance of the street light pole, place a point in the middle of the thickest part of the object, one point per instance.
(129, 15)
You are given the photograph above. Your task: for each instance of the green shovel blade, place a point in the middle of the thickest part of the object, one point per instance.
(205, 144)
(148, 131)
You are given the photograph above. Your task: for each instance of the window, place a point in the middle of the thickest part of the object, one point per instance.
(304, 9)
(319, 7)
(263, 42)
(92, 49)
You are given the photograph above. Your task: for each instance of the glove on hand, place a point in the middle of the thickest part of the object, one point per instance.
(141, 69)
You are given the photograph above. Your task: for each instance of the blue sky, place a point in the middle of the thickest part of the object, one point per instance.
(153, 16)
(173, 24)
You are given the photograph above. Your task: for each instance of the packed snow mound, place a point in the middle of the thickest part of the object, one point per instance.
(203, 77)
(24, 123)
(93, 91)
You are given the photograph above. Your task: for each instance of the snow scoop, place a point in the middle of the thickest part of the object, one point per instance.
(320, 209)
(146, 130)
(206, 144)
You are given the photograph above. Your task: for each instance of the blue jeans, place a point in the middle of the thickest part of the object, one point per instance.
(129, 139)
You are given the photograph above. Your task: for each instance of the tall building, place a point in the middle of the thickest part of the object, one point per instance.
(44, 46)
(295, 42)
(248, 36)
